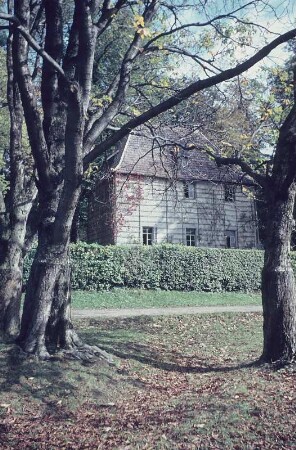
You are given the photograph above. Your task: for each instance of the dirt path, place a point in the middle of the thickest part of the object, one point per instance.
(133, 312)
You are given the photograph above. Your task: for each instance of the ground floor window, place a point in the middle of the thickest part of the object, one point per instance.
(230, 236)
(149, 235)
(190, 237)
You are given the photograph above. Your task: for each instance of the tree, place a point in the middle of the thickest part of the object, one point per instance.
(69, 133)
(17, 193)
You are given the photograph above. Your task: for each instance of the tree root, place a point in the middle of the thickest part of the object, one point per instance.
(71, 347)
(75, 348)
(280, 364)
(39, 352)
(88, 354)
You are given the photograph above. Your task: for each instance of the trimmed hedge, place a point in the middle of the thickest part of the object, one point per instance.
(169, 267)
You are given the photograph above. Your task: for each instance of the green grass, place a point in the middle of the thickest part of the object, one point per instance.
(140, 298)
(184, 382)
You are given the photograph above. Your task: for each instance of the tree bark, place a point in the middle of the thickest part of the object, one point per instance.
(11, 273)
(60, 332)
(278, 284)
(278, 281)
(18, 204)
(47, 268)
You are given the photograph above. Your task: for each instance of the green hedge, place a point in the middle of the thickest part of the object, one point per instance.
(170, 267)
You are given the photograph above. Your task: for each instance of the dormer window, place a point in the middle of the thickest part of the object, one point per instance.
(189, 189)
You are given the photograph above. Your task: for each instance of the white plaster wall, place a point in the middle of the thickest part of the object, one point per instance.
(162, 205)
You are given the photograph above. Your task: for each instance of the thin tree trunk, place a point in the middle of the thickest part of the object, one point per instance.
(11, 265)
(17, 205)
(10, 293)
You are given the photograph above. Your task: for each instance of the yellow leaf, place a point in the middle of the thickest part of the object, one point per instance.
(139, 21)
(144, 32)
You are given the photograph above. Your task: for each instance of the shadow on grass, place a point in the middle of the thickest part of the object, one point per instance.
(127, 346)
(131, 350)
(48, 382)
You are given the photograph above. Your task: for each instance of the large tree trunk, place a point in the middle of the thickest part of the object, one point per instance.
(278, 282)
(60, 333)
(49, 264)
(46, 325)
(45, 272)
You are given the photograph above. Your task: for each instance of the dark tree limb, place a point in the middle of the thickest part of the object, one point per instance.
(24, 31)
(184, 94)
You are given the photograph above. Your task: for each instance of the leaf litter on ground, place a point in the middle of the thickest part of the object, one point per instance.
(183, 382)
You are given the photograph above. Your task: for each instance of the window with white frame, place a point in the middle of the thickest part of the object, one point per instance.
(230, 236)
(191, 237)
(149, 235)
(229, 192)
(189, 189)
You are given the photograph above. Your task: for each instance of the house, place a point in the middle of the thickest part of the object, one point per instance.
(157, 189)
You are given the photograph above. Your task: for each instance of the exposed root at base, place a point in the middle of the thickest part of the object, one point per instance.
(281, 364)
(41, 354)
(88, 354)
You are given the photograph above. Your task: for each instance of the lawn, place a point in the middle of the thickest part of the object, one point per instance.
(178, 383)
(140, 298)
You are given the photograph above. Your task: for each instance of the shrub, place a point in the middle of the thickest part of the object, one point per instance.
(170, 267)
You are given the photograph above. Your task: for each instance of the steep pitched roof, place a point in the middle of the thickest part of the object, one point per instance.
(175, 153)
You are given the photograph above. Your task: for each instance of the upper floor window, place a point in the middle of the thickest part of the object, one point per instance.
(229, 192)
(191, 237)
(149, 235)
(189, 190)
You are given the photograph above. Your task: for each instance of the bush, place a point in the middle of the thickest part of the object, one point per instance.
(170, 267)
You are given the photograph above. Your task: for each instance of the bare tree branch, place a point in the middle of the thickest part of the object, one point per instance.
(123, 84)
(31, 41)
(186, 93)
(185, 26)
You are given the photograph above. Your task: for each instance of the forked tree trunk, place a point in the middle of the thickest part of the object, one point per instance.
(45, 271)
(48, 287)
(46, 325)
(278, 282)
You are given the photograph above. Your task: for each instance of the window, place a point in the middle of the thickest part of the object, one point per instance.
(149, 235)
(189, 190)
(190, 237)
(229, 192)
(230, 236)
